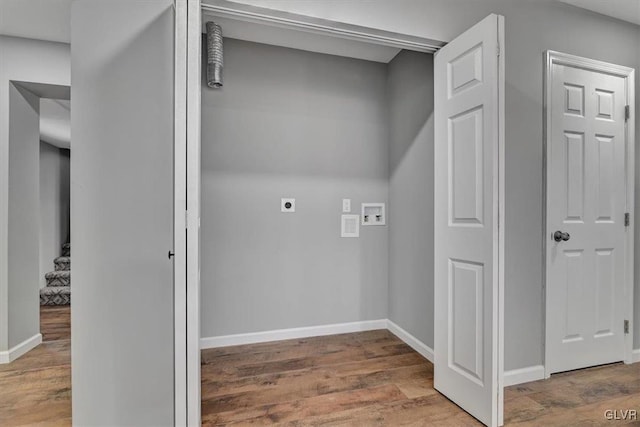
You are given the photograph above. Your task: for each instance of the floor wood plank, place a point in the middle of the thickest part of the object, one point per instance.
(35, 389)
(362, 379)
(373, 378)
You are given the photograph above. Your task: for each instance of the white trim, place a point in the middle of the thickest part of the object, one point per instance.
(523, 375)
(631, 164)
(411, 341)
(292, 333)
(551, 58)
(501, 217)
(318, 331)
(16, 351)
(309, 24)
(193, 129)
(179, 217)
(635, 355)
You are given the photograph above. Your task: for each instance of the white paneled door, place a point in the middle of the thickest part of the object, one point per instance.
(586, 206)
(469, 188)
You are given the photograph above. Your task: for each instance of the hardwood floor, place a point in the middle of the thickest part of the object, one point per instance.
(363, 379)
(36, 388)
(373, 378)
(368, 378)
(55, 323)
(576, 398)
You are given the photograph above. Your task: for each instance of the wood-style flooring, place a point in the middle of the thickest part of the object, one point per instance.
(374, 379)
(362, 379)
(35, 389)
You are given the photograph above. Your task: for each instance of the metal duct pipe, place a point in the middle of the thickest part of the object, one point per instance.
(214, 55)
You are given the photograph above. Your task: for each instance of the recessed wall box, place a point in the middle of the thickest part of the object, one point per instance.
(373, 214)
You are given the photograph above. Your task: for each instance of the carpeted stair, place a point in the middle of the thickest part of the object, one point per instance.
(58, 289)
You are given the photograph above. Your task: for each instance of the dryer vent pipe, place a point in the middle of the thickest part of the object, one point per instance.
(214, 55)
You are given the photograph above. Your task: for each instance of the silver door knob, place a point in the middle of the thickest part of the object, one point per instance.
(560, 236)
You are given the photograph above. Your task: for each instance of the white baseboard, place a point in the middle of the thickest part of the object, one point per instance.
(523, 375)
(293, 333)
(13, 353)
(411, 341)
(535, 373)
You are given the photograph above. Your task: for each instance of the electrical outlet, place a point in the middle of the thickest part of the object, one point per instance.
(287, 205)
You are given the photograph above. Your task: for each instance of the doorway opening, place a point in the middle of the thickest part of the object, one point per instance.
(312, 129)
(294, 139)
(39, 232)
(55, 208)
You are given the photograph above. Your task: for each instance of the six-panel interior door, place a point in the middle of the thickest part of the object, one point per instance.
(586, 200)
(468, 183)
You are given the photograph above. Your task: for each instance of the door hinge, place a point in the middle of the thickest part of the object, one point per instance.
(627, 112)
(498, 50)
(627, 219)
(626, 326)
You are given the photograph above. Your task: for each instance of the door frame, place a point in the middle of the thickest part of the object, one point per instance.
(193, 37)
(197, 9)
(552, 58)
(180, 258)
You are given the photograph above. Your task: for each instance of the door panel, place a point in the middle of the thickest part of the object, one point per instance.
(466, 322)
(122, 193)
(586, 198)
(465, 134)
(467, 187)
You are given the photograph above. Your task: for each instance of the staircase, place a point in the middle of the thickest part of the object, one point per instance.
(58, 289)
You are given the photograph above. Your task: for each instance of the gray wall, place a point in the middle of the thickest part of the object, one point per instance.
(532, 26)
(22, 61)
(290, 123)
(530, 30)
(54, 205)
(410, 101)
(122, 212)
(24, 203)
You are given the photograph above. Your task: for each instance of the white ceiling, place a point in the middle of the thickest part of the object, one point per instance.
(49, 19)
(36, 19)
(626, 10)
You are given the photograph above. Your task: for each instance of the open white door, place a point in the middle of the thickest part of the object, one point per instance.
(469, 189)
(122, 209)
